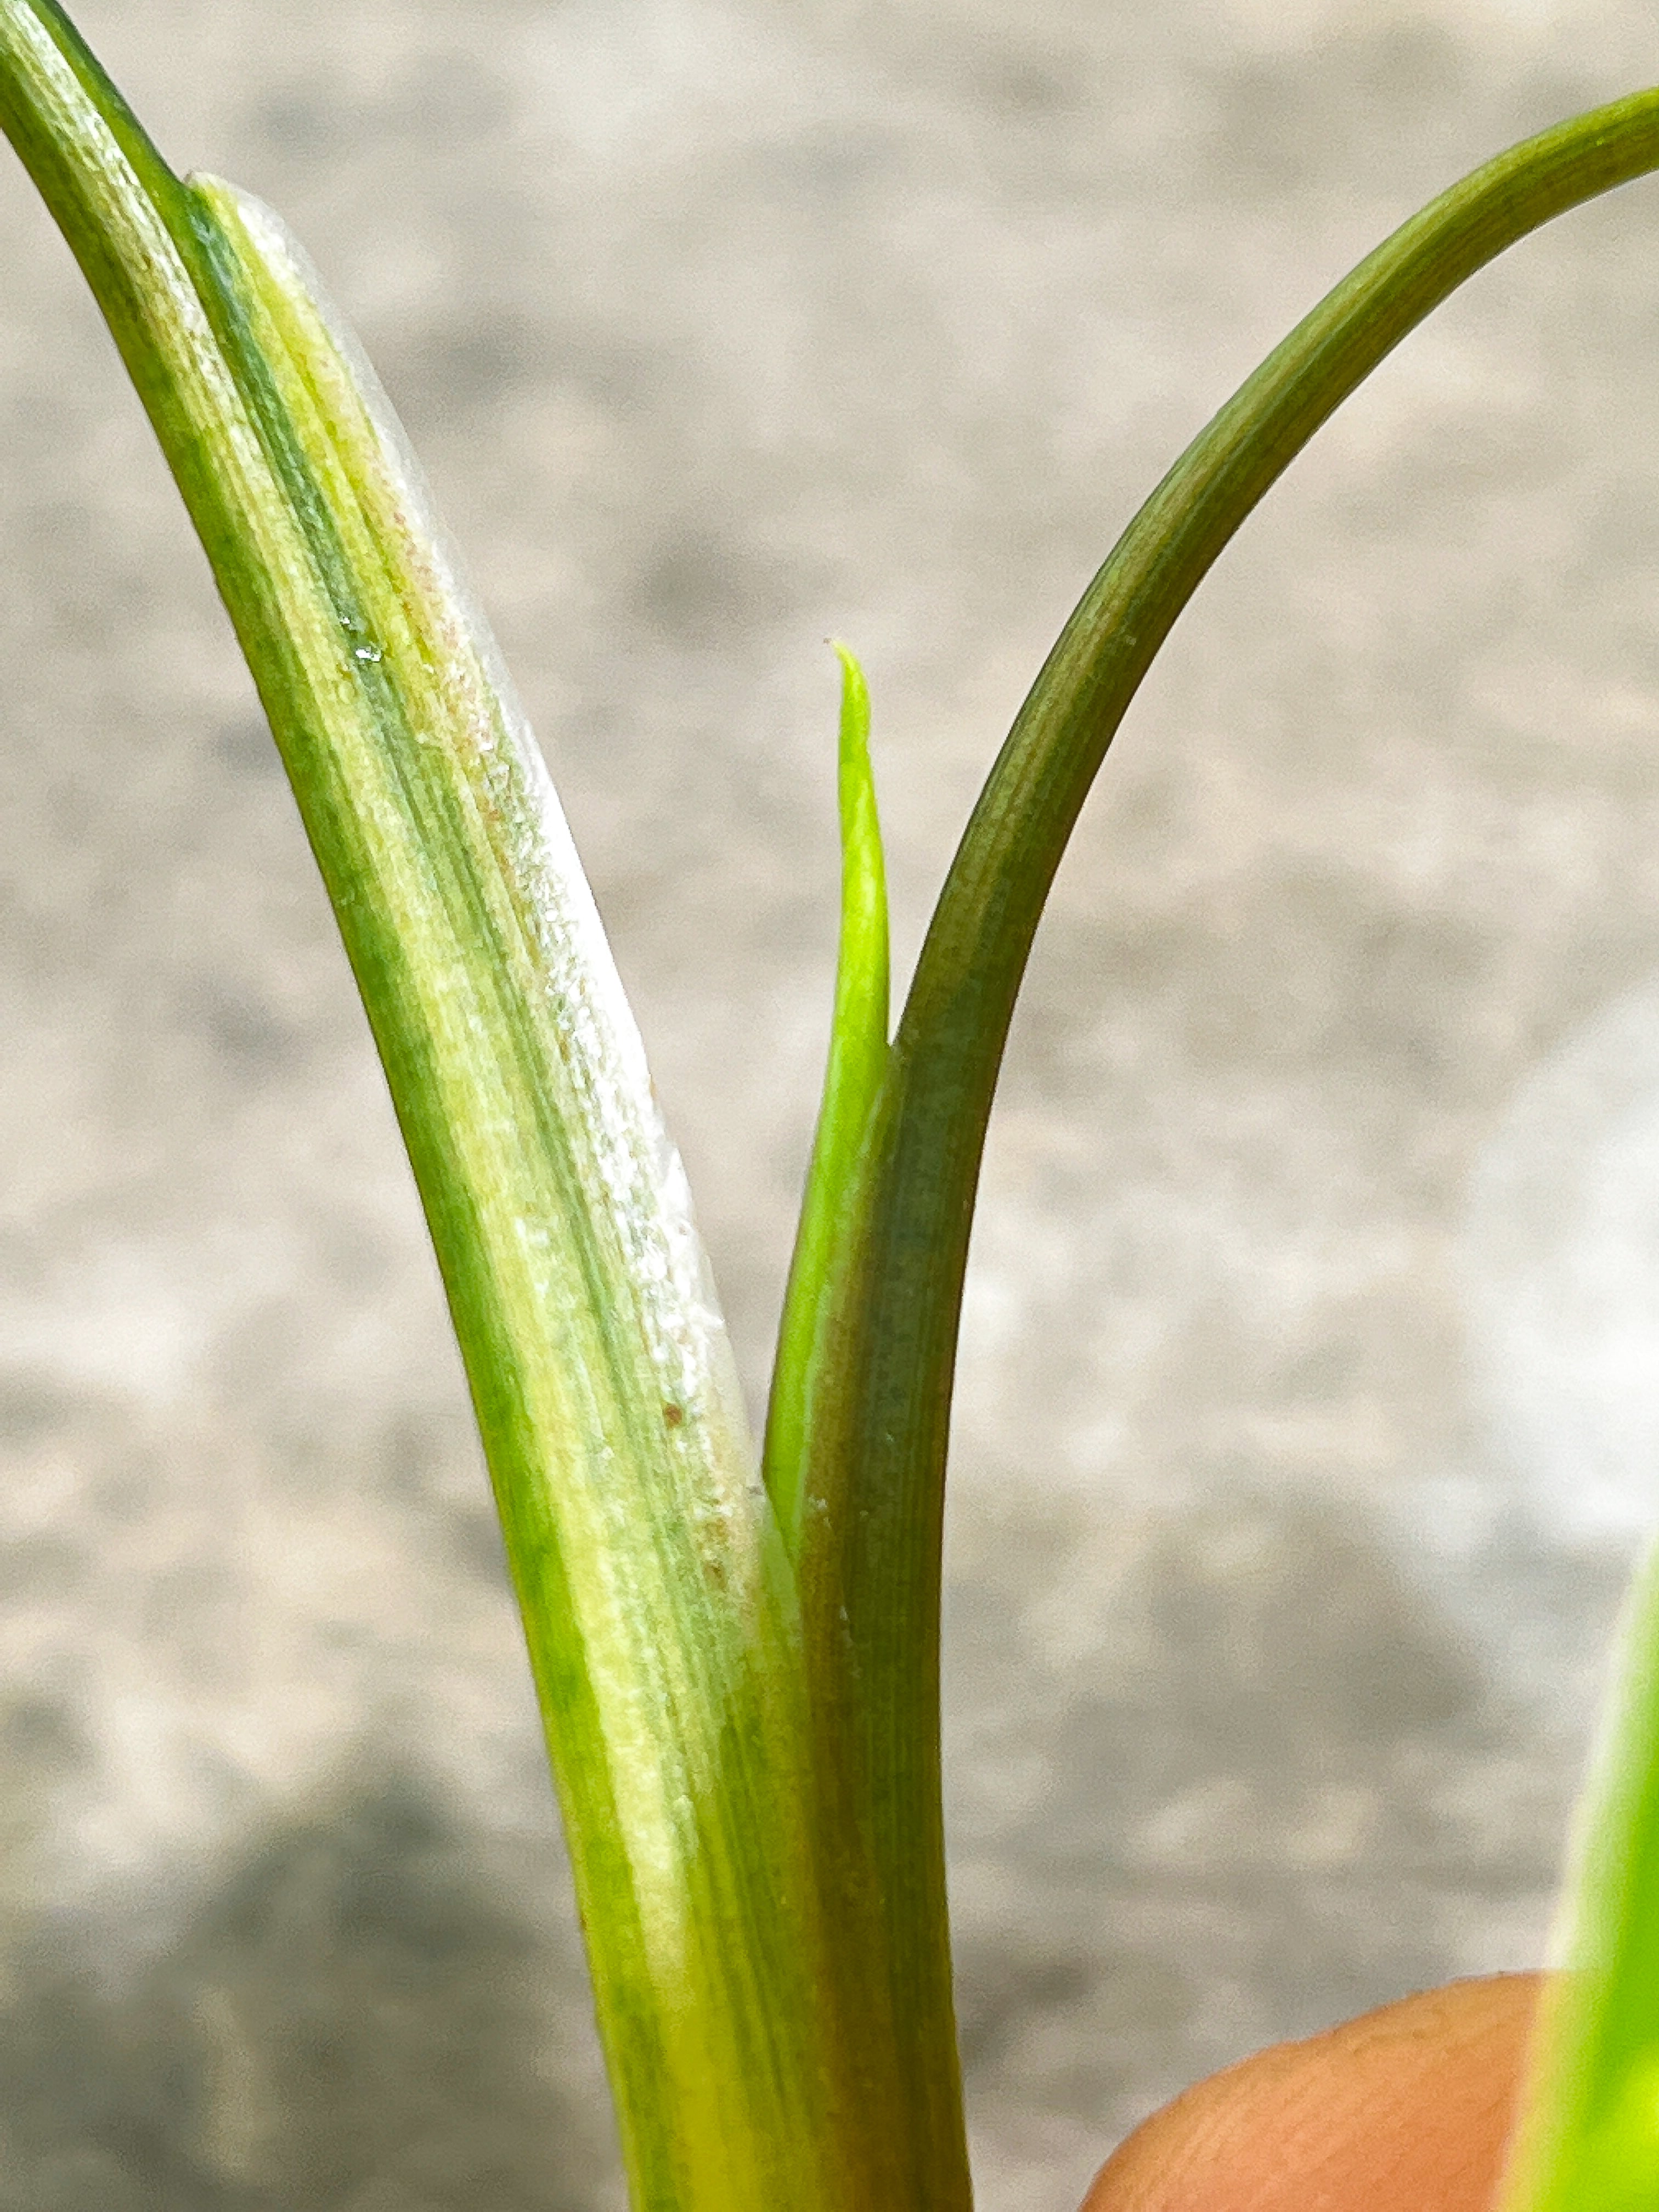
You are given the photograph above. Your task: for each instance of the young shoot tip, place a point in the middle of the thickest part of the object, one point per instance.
(853, 1076)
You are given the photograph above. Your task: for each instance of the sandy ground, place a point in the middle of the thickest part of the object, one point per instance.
(1309, 1402)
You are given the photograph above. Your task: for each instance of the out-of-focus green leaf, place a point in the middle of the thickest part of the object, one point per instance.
(1590, 2139)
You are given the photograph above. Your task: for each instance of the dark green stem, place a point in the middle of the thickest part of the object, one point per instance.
(872, 1551)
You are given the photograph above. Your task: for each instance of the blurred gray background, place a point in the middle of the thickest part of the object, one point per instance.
(1310, 1404)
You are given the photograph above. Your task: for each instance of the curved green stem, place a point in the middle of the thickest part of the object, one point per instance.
(870, 1561)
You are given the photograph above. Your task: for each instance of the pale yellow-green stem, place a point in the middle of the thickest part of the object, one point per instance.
(658, 1599)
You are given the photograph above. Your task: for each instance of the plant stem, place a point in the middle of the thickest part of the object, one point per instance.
(659, 1602)
(871, 1555)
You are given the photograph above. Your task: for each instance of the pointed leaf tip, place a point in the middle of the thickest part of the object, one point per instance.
(852, 1083)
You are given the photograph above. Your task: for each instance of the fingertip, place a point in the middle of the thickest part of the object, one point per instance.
(1411, 2106)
